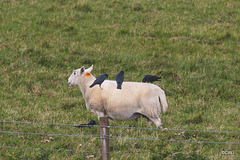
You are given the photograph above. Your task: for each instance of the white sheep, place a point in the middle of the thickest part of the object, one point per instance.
(132, 101)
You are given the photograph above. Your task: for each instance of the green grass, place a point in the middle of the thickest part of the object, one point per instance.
(193, 45)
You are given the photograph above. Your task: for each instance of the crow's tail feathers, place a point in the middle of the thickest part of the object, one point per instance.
(92, 85)
(84, 125)
(119, 86)
(81, 125)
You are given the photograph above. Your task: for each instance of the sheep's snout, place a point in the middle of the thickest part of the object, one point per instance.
(69, 81)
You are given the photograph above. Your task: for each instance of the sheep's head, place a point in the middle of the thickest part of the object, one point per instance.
(78, 75)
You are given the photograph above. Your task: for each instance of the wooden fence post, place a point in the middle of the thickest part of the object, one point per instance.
(104, 138)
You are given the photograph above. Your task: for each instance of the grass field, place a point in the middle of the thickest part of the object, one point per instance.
(193, 45)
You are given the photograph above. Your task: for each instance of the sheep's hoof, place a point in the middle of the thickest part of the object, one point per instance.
(164, 129)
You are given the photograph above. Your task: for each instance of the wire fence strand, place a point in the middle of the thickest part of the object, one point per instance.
(114, 138)
(122, 127)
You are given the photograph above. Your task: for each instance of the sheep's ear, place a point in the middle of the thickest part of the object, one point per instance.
(89, 69)
(82, 69)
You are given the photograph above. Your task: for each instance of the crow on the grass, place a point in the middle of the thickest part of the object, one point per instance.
(99, 80)
(119, 79)
(90, 124)
(150, 78)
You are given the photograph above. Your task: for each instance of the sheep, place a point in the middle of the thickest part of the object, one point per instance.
(134, 100)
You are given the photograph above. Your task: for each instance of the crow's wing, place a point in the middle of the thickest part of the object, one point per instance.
(92, 122)
(120, 78)
(146, 78)
(100, 79)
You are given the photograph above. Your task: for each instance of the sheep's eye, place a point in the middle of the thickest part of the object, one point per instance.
(74, 73)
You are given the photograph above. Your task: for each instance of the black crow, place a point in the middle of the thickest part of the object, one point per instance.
(150, 78)
(99, 80)
(119, 79)
(90, 124)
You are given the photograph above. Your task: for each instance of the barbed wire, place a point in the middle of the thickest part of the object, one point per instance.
(10, 147)
(41, 123)
(123, 127)
(116, 137)
(50, 134)
(112, 137)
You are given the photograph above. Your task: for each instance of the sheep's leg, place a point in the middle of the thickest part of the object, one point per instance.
(100, 114)
(158, 123)
(149, 122)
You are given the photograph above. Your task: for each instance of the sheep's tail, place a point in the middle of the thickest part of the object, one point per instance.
(163, 101)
